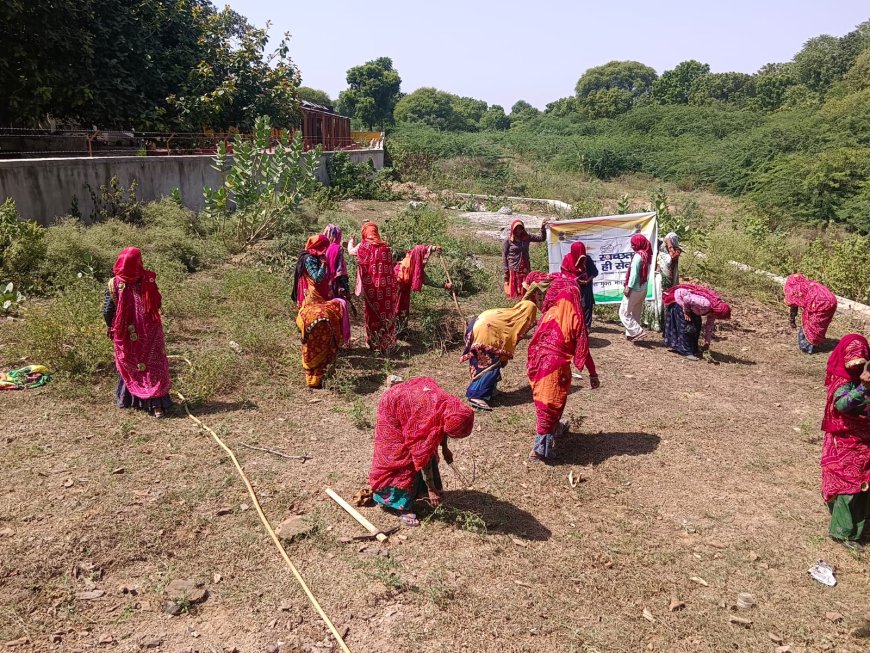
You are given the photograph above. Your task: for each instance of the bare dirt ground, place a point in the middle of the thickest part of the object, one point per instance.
(698, 482)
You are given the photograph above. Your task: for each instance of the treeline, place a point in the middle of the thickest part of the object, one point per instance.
(794, 138)
(147, 65)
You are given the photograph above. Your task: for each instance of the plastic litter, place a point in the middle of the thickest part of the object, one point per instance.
(823, 572)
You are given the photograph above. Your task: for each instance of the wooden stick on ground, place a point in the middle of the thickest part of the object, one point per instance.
(303, 457)
(450, 281)
(365, 523)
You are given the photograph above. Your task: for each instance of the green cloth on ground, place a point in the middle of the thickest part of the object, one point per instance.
(849, 515)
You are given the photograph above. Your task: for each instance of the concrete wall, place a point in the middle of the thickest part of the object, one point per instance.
(43, 189)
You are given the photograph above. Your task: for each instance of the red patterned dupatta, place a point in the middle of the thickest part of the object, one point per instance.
(818, 303)
(413, 418)
(137, 330)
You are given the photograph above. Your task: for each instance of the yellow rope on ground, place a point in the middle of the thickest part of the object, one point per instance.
(296, 574)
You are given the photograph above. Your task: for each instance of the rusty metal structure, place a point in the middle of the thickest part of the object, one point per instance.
(323, 126)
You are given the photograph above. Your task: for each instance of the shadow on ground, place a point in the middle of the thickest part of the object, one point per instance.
(583, 449)
(499, 516)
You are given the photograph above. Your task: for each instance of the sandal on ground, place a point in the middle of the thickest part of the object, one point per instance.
(409, 519)
(479, 404)
(852, 545)
(535, 459)
(639, 336)
(158, 413)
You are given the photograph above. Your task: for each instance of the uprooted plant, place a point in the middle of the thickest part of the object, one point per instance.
(265, 181)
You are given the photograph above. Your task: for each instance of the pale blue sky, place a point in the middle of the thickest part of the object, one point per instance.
(509, 50)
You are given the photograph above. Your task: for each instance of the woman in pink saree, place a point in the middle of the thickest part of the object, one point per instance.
(132, 313)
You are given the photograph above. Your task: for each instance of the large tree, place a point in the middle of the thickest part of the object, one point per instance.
(372, 94)
(725, 88)
(674, 86)
(495, 119)
(522, 110)
(614, 88)
(315, 96)
(429, 106)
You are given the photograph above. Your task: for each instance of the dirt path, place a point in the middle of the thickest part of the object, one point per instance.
(689, 470)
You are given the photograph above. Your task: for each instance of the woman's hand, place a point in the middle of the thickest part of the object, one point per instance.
(435, 498)
(594, 382)
(687, 315)
(626, 291)
(448, 286)
(447, 454)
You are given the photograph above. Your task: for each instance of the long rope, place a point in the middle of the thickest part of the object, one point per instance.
(277, 542)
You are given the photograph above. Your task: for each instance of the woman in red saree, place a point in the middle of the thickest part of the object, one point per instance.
(561, 337)
(819, 306)
(516, 262)
(376, 282)
(131, 310)
(414, 418)
(324, 324)
(846, 449)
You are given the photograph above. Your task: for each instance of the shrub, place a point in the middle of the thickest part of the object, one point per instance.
(67, 332)
(264, 185)
(114, 202)
(356, 180)
(22, 245)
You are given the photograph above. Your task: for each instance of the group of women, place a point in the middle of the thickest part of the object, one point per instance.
(417, 417)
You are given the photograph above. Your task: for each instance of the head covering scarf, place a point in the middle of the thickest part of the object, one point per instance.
(720, 309)
(333, 233)
(137, 330)
(371, 235)
(674, 239)
(316, 245)
(642, 248)
(514, 225)
(818, 303)
(498, 330)
(413, 418)
(574, 263)
(129, 270)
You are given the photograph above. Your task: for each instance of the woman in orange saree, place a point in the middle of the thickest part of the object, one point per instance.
(561, 337)
(323, 323)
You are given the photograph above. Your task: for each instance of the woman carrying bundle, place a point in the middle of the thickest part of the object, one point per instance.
(686, 304)
(411, 276)
(376, 282)
(415, 417)
(490, 342)
(561, 337)
(323, 323)
(337, 266)
(576, 264)
(132, 312)
(819, 306)
(635, 285)
(515, 257)
(846, 449)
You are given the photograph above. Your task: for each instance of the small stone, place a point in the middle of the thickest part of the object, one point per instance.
(834, 617)
(753, 556)
(243, 507)
(506, 210)
(740, 621)
(776, 639)
(105, 639)
(223, 511)
(68, 482)
(294, 527)
(648, 615)
(273, 623)
(154, 643)
(345, 540)
(699, 580)
(6, 532)
(21, 641)
(271, 648)
(90, 595)
(185, 591)
(676, 604)
(56, 638)
(784, 649)
(763, 565)
(172, 608)
(520, 542)
(745, 601)
(119, 470)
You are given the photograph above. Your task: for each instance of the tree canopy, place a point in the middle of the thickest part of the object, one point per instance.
(372, 93)
(614, 88)
(674, 86)
(315, 95)
(145, 65)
